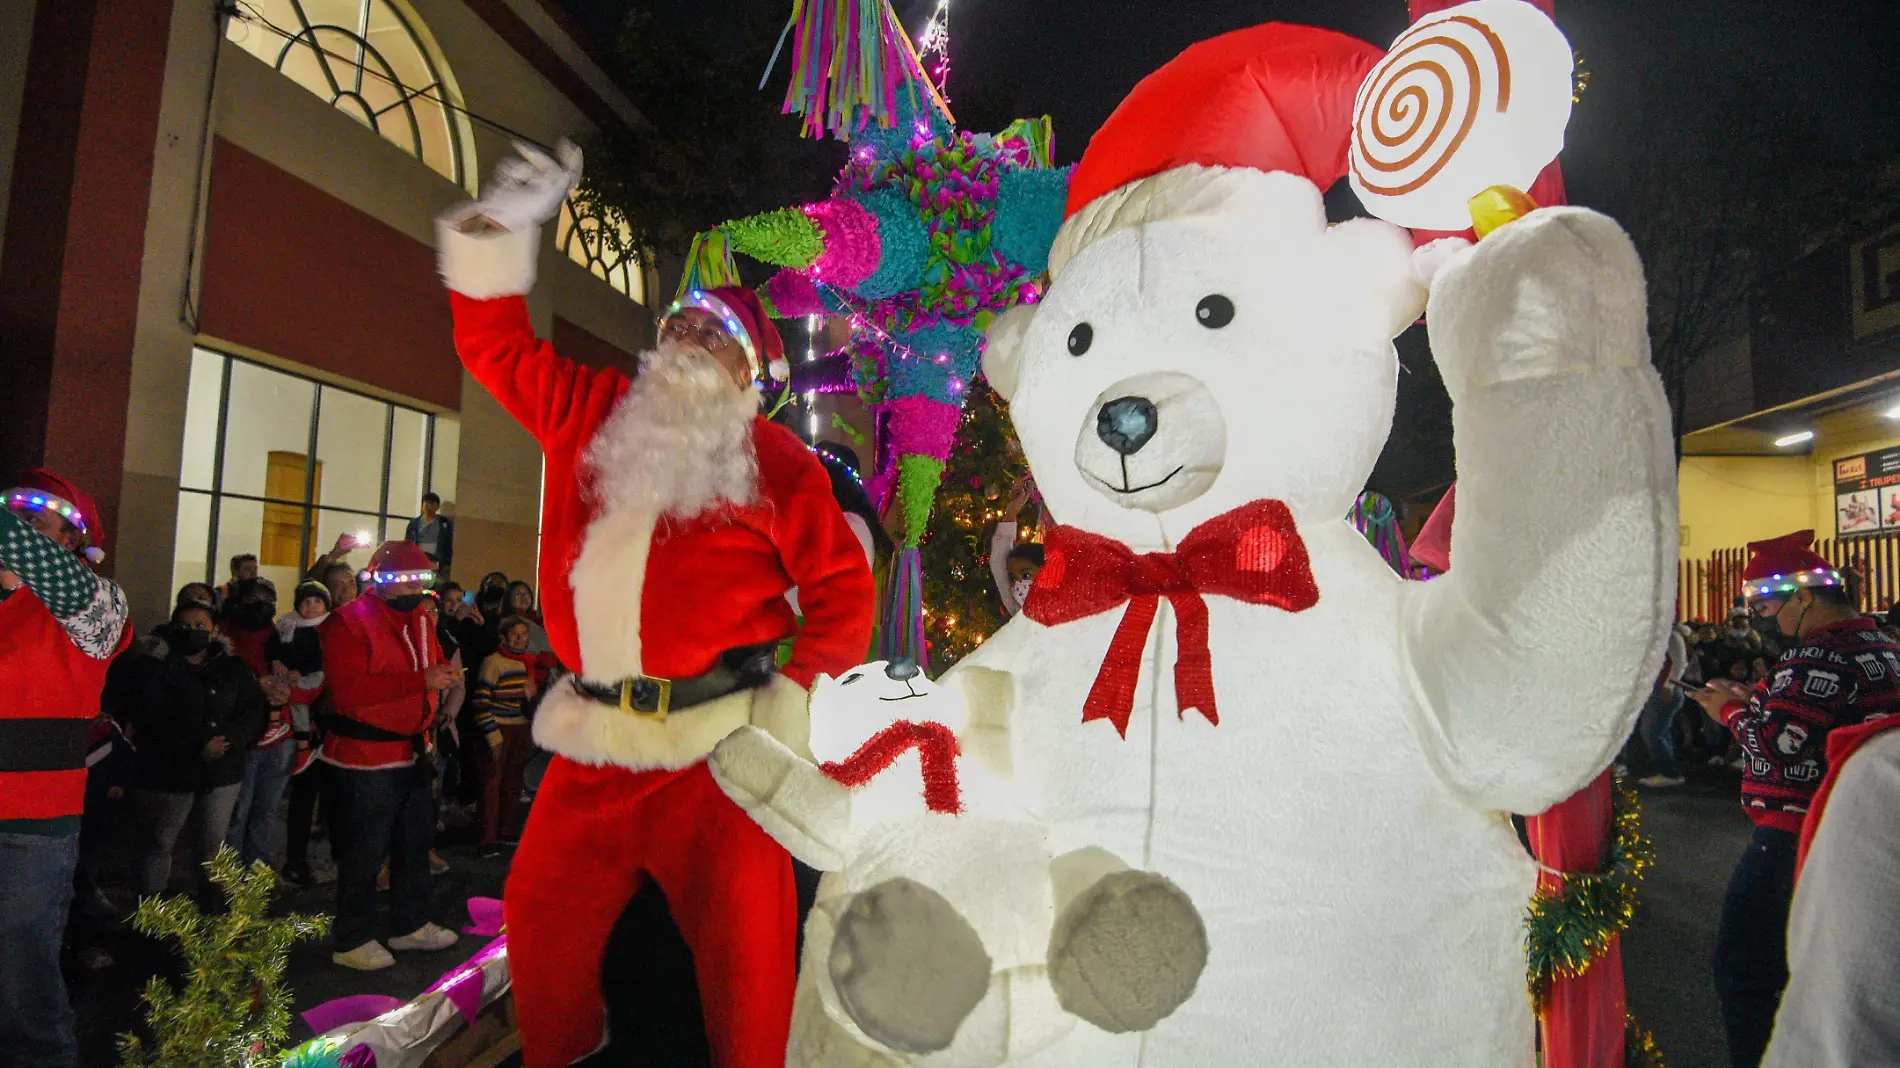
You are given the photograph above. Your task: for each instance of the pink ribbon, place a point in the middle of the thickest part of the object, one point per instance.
(484, 917)
(342, 1012)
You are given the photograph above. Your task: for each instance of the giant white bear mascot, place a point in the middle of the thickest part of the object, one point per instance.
(1218, 679)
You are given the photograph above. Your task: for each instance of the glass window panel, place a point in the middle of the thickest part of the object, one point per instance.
(408, 440)
(259, 34)
(241, 529)
(269, 413)
(448, 453)
(201, 421)
(302, 65)
(188, 544)
(345, 13)
(331, 523)
(350, 451)
(380, 86)
(437, 151)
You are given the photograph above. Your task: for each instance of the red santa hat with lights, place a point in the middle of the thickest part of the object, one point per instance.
(399, 561)
(1783, 565)
(43, 491)
(744, 317)
(1277, 97)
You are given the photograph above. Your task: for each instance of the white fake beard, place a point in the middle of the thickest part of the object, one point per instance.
(680, 441)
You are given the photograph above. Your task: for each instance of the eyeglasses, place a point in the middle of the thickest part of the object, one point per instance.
(1766, 607)
(708, 333)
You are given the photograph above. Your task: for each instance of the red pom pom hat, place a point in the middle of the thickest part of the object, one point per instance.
(1783, 565)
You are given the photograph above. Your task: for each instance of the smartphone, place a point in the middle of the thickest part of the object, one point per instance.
(468, 596)
(362, 537)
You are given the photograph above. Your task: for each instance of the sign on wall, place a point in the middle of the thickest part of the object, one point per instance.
(1867, 493)
(1873, 274)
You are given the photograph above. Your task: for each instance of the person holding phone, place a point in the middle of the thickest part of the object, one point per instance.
(1839, 670)
(1657, 724)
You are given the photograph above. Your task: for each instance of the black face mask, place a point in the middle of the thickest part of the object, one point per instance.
(408, 602)
(192, 641)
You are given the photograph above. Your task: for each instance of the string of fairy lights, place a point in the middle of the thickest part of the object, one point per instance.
(933, 47)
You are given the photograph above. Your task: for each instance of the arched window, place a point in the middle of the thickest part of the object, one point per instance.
(599, 240)
(372, 60)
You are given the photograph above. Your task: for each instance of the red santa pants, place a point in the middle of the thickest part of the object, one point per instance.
(594, 835)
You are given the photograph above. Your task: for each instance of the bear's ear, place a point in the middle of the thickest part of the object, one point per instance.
(1002, 356)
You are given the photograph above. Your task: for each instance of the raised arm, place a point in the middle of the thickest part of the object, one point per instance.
(1529, 659)
(487, 250)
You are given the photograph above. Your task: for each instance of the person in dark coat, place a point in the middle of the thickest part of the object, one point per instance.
(195, 710)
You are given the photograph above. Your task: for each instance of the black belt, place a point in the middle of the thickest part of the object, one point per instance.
(744, 668)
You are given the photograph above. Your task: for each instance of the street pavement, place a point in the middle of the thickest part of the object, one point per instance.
(1698, 830)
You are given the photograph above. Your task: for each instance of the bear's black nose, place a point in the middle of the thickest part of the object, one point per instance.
(1126, 423)
(901, 669)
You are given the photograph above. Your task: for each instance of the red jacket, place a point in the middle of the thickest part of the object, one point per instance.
(713, 583)
(373, 658)
(49, 694)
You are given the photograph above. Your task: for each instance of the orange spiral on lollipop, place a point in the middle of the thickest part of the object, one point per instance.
(1412, 117)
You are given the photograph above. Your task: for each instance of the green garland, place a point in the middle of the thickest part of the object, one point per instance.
(234, 1009)
(1570, 926)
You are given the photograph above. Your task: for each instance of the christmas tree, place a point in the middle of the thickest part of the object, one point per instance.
(234, 1009)
(961, 607)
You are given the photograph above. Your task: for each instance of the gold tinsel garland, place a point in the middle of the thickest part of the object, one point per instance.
(1570, 925)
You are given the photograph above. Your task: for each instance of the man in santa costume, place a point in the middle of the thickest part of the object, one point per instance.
(60, 626)
(675, 519)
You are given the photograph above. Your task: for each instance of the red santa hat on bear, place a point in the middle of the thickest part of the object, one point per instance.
(1277, 97)
(43, 491)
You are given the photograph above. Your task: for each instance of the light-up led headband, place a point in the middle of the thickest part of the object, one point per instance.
(1776, 585)
(41, 501)
(379, 578)
(706, 302)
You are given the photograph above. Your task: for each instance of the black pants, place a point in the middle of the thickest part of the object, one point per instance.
(374, 814)
(305, 788)
(1751, 947)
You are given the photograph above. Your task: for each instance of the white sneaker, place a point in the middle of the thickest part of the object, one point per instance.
(427, 937)
(1661, 781)
(1718, 761)
(368, 957)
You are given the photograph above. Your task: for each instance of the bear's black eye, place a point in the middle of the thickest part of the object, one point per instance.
(1214, 311)
(851, 678)
(1081, 338)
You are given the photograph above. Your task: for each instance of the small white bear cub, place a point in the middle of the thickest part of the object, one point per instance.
(944, 935)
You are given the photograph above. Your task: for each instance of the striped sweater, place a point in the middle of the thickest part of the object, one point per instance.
(501, 690)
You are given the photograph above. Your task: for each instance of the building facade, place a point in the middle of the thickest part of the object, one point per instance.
(219, 309)
(1811, 439)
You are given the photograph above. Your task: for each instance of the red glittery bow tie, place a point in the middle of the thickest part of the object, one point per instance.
(1252, 554)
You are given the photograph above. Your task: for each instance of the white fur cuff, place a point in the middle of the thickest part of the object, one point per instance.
(485, 265)
(590, 732)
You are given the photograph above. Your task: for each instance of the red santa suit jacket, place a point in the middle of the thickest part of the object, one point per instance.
(703, 585)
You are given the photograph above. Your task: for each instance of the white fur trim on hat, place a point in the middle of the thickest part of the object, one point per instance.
(485, 264)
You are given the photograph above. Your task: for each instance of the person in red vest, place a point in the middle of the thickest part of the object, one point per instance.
(1839, 670)
(385, 673)
(676, 519)
(60, 626)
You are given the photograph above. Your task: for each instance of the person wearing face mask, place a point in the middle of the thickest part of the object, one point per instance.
(1839, 671)
(385, 672)
(195, 709)
(60, 626)
(249, 622)
(1014, 567)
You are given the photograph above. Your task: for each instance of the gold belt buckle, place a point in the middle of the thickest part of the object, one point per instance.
(665, 702)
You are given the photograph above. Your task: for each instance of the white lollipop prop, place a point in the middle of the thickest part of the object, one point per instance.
(1470, 97)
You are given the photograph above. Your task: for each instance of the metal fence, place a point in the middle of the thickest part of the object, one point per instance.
(1705, 589)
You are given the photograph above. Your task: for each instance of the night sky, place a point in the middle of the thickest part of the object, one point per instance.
(1832, 66)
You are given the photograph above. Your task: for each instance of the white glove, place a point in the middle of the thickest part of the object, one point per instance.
(528, 188)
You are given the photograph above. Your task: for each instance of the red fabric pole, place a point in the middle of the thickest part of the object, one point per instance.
(1583, 1021)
